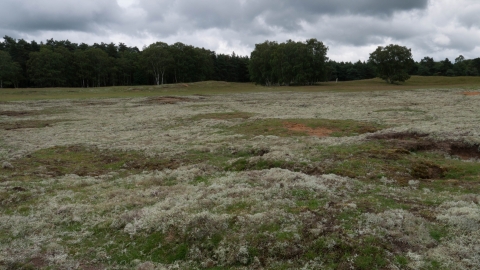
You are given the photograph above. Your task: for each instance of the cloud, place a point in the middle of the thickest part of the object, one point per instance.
(52, 15)
(352, 29)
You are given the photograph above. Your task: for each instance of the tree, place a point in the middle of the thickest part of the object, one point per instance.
(45, 68)
(157, 58)
(427, 66)
(9, 70)
(260, 68)
(460, 67)
(392, 62)
(446, 67)
(288, 63)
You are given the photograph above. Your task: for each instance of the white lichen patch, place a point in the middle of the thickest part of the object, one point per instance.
(207, 213)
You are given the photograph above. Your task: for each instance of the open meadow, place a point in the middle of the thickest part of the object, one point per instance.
(217, 175)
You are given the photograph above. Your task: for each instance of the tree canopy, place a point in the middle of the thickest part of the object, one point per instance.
(393, 62)
(288, 63)
(66, 64)
(61, 63)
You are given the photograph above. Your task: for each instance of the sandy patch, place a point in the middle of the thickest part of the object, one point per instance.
(318, 132)
(471, 93)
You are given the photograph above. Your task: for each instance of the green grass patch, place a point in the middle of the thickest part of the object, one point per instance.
(240, 207)
(155, 247)
(216, 88)
(438, 232)
(83, 161)
(305, 127)
(371, 255)
(374, 159)
(244, 164)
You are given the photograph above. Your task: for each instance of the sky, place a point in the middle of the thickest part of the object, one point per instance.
(351, 29)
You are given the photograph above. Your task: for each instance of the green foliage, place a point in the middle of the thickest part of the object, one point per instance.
(45, 68)
(288, 63)
(66, 64)
(347, 71)
(392, 62)
(9, 70)
(157, 59)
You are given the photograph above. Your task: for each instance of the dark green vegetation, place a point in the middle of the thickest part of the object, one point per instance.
(65, 64)
(288, 63)
(393, 63)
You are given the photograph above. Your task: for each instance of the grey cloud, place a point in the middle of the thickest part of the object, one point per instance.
(224, 25)
(32, 15)
(289, 14)
(283, 14)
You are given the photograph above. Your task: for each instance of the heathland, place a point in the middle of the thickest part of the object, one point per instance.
(217, 175)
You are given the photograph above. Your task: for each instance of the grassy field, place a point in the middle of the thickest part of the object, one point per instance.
(216, 175)
(215, 88)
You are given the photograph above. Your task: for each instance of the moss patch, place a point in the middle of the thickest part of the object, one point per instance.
(83, 161)
(282, 127)
(29, 124)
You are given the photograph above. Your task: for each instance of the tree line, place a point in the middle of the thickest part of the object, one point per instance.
(460, 67)
(66, 64)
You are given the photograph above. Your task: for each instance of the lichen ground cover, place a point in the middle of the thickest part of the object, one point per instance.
(275, 180)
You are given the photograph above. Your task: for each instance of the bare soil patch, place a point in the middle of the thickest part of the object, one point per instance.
(28, 124)
(46, 111)
(168, 100)
(17, 113)
(94, 103)
(471, 93)
(318, 132)
(413, 142)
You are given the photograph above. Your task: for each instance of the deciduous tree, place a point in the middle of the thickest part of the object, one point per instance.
(157, 58)
(392, 62)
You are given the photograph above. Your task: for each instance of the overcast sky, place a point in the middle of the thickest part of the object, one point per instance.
(350, 28)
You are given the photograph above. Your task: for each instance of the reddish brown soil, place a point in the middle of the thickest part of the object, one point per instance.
(168, 100)
(471, 93)
(318, 132)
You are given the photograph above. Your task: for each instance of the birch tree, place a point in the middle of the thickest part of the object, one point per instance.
(157, 58)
